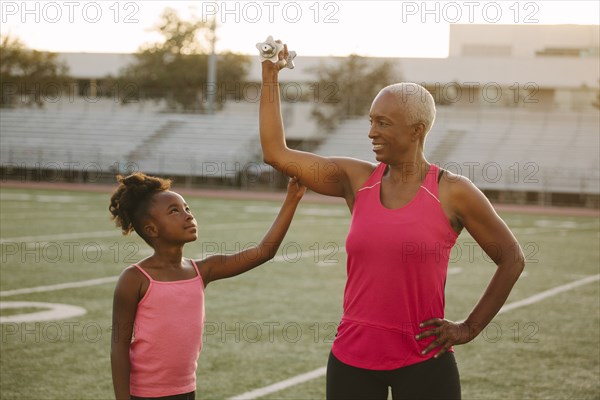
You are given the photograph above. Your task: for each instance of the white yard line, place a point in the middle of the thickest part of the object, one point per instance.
(49, 237)
(276, 387)
(90, 282)
(549, 293)
(109, 279)
(100, 281)
(60, 286)
(295, 380)
(52, 311)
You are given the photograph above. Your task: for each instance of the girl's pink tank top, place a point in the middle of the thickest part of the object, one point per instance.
(167, 337)
(397, 264)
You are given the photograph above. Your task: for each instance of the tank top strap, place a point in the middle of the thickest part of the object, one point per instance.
(375, 177)
(430, 184)
(143, 272)
(195, 267)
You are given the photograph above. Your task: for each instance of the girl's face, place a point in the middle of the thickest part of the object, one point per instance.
(172, 219)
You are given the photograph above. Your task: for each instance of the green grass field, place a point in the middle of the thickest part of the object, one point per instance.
(278, 321)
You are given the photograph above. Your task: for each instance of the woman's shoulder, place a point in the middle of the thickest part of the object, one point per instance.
(460, 193)
(357, 171)
(455, 184)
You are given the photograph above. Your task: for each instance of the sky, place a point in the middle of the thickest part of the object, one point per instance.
(316, 28)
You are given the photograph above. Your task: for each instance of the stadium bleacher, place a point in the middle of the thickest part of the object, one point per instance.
(505, 149)
(501, 148)
(157, 143)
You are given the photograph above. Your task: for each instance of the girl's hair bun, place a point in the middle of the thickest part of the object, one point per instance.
(130, 201)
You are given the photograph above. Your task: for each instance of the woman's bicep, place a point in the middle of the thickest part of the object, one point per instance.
(331, 176)
(485, 225)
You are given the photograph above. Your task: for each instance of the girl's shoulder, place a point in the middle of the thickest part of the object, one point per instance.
(132, 269)
(132, 284)
(132, 275)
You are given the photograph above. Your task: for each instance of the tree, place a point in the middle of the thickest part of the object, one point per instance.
(175, 70)
(349, 88)
(29, 77)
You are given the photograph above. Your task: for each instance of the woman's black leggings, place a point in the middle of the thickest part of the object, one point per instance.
(183, 396)
(436, 378)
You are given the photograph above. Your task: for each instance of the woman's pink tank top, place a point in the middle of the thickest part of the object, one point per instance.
(397, 264)
(167, 337)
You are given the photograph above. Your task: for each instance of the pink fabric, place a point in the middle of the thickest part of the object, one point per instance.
(167, 337)
(397, 264)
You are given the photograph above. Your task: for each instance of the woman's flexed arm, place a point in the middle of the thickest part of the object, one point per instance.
(332, 176)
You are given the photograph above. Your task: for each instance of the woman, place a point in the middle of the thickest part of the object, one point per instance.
(406, 216)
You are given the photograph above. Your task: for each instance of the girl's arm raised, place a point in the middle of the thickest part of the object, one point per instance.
(124, 308)
(225, 266)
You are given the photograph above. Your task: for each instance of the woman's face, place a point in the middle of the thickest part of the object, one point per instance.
(391, 137)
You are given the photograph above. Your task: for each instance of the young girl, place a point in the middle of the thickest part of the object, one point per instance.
(159, 302)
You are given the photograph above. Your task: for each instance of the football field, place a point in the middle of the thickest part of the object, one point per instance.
(275, 323)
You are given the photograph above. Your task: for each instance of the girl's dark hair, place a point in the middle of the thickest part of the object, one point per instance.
(129, 202)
